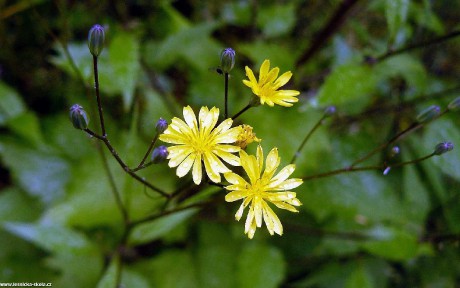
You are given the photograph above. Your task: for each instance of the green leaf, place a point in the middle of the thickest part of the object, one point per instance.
(260, 266)
(124, 66)
(277, 19)
(109, 279)
(359, 278)
(192, 45)
(407, 67)
(348, 83)
(79, 261)
(11, 104)
(81, 57)
(396, 14)
(172, 268)
(279, 55)
(39, 173)
(57, 239)
(216, 256)
(27, 126)
(157, 228)
(391, 243)
(15, 205)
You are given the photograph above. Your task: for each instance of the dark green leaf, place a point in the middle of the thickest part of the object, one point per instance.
(11, 105)
(260, 266)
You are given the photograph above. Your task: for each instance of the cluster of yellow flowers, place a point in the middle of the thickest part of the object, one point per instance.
(197, 141)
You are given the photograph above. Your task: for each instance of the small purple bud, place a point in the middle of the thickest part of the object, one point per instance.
(78, 117)
(159, 154)
(329, 111)
(428, 114)
(96, 38)
(227, 60)
(443, 147)
(161, 125)
(394, 151)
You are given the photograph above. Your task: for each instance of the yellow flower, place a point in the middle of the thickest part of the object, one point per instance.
(246, 136)
(263, 187)
(199, 142)
(267, 86)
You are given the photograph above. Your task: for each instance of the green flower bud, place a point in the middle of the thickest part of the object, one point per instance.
(161, 126)
(227, 60)
(159, 154)
(443, 147)
(454, 105)
(428, 114)
(78, 117)
(96, 37)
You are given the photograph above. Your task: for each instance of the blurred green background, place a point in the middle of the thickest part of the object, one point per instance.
(58, 218)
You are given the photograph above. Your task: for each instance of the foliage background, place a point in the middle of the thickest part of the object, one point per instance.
(59, 221)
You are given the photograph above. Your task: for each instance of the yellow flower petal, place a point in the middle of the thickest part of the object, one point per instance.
(190, 117)
(197, 173)
(185, 166)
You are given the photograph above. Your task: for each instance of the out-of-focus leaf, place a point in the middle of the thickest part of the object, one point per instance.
(396, 14)
(277, 19)
(348, 83)
(331, 275)
(90, 201)
(15, 205)
(425, 17)
(73, 254)
(80, 56)
(109, 279)
(416, 197)
(11, 105)
(57, 239)
(153, 230)
(277, 54)
(192, 45)
(27, 126)
(124, 65)
(391, 243)
(39, 173)
(359, 278)
(131, 278)
(216, 256)
(260, 266)
(237, 12)
(172, 268)
(407, 67)
(443, 130)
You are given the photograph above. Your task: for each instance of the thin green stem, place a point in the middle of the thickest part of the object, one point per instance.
(114, 189)
(417, 45)
(297, 153)
(242, 111)
(96, 87)
(366, 168)
(124, 166)
(226, 96)
(154, 140)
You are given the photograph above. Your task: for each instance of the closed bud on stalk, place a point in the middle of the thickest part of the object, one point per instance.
(161, 125)
(443, 147)
(96, 37)
(159, 154)
(78, 117)
(394, 151)
(227, 60)
(428, 114)
(454, 105)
